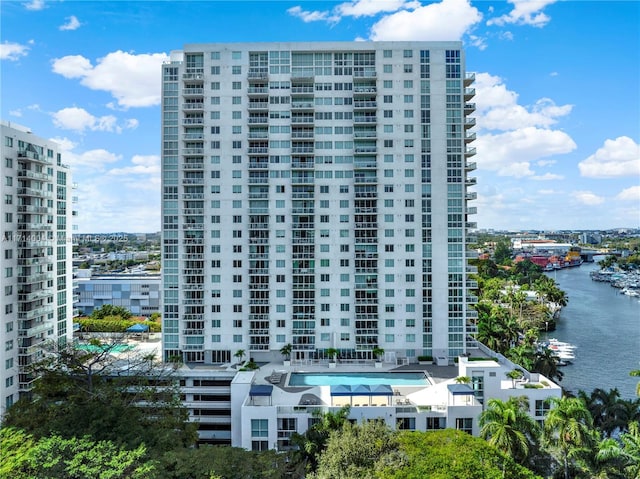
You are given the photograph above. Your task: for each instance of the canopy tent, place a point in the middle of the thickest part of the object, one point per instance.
(138, 328)
(361, 390)
(257, 390)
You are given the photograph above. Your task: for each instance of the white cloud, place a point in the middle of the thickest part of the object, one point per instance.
(79, 120)
(619, 157)
(547, 177)
(356, 8)
(141, 164)
(629, 194)
(133, 80)
(72, 24)
(16, 113)
(35, 5)
(12, 51)
(497, 107)
(447, 20)
(511, 153)
(369, 8)
(92, 159)
(587, 198)
(307, 16)
(525, 12)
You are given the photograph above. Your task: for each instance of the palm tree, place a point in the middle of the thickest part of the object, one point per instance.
(636, 373)
(514, 375)
(462, 380)
(624, 454)
(606, 409)
(567, 429)
(508, 426)
(239, 354)
(546, 363)
(286, 351)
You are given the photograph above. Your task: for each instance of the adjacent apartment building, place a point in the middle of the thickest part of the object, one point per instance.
(317, 194)
(36, 296)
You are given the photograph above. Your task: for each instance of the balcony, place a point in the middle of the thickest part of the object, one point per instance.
(257, 74)
(365, 104)
(365, 134)
(469, 93)
(308, 150)
(190, 91)
(193, 136)
(364, 73)
(365, 150)
(471, 196)
(301, 90)
(302, 135)
(469, 108)
(35, 192)
(32, 155)
(302, 105)
(472, 210)
(471, 181)
(33, 175)
(258, 105)
(258, 120)
(469, 78)
(468, 138)
(258, 150)
(364, 89)
(192, 166)
(193, 121)
(258, 135)
(258, 91)
(34, 227)
(469, 123)
(34, 209)
(469, 152)
(364, 119)
(195, 106)
(193, 151)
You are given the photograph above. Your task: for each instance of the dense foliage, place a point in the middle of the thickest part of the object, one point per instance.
(113, 324)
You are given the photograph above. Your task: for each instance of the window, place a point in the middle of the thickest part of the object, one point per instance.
(387, 68)
(236, 70)
(259, 428)
(542, 407)
(408, 423)
(237, 338)
(436, 423)
(464, 424)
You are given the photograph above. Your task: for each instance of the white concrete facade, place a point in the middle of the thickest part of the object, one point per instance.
(317, 194)
(36, 294)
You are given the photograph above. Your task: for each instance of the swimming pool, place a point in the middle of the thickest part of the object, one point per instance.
(370, 379)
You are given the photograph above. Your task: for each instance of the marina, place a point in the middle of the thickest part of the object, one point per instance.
(604, 328)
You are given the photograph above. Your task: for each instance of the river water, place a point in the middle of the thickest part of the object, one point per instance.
(605, 327)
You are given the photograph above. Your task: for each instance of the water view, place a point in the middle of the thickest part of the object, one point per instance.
(605, 327)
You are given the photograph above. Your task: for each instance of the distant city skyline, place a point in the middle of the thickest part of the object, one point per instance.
(558, 117)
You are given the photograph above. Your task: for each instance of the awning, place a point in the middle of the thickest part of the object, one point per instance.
(361, 390)
(261, 390)
(138, 328)
(460, 389)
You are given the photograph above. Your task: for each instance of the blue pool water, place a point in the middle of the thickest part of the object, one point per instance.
(369, 379)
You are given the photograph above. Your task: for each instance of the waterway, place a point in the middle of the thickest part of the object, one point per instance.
(605, 327)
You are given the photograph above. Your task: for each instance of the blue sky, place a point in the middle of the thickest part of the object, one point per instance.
(557, 94)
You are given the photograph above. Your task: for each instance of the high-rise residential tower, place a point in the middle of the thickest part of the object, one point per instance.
(36, 292)
(315, 194)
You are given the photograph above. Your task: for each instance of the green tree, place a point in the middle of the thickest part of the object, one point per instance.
(313, 441)
(502, 252)
(82, 393)
(623, 453)
(110, 310)
(508, 426)
(546, 363)
(448, 454)
(568, 431)
(82, 458)
(353, 451)
(222, 461)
